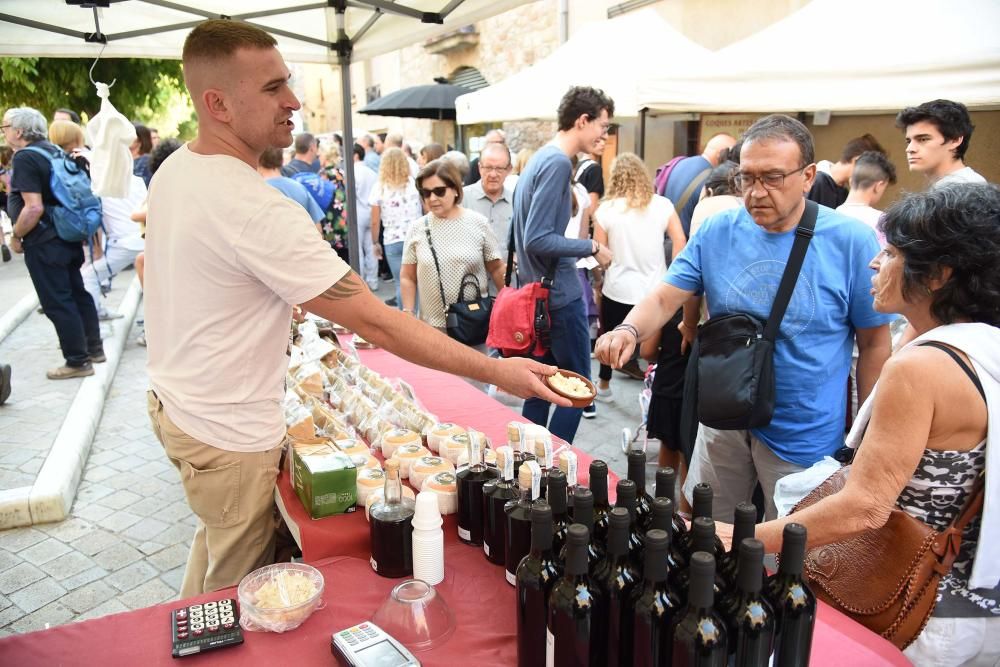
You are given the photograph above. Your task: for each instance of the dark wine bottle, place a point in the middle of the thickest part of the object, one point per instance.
(517, 540)
(744, 523)
(626, 498)
(666, 484)
(583, 511)
(469, 482)
(661, 518)
(699, 633)
(637, 473)
(655, 606)
(616, 576)
(703, 538)
(391, 528)
(599, 487)
(557, 501)
(793, 602)
(701, 506)
(496, 494)
(751, 624)
(576, 633)
(536, 575)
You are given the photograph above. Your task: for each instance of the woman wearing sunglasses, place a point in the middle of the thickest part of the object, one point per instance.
(462, 239)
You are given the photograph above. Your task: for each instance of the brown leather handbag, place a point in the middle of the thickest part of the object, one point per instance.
(886, 578)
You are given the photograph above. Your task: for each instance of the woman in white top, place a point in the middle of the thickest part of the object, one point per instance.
(632, 222)
(395, 205)
(462, 239)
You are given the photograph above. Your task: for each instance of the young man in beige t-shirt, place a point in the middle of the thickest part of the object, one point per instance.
(227, 257)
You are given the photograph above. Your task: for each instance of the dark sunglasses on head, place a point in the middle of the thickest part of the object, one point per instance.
(437, 192)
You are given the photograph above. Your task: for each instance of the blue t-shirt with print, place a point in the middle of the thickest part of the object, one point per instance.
(738, 266)
(298, 193)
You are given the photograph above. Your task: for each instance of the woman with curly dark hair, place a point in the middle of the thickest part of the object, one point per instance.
(931, 426)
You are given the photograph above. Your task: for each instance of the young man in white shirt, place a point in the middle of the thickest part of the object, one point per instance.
(872, 174)
(937, 138)
(228, 257)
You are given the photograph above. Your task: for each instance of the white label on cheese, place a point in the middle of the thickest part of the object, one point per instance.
(550, 648)
(464, 534)
(511, 577)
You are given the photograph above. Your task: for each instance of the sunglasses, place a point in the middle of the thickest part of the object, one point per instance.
(437, 192)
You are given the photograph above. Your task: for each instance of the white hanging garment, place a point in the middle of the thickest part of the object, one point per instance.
(110, 134)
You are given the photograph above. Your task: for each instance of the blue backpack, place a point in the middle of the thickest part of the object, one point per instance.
(320, 189)
(78, 215)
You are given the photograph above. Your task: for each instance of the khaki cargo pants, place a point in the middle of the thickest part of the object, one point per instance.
(232, 494)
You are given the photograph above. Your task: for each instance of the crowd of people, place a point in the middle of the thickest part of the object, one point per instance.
(637, 265)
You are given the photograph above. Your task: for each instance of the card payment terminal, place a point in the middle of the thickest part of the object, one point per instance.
(367, 645)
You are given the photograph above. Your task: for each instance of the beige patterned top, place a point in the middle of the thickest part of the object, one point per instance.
(464, 245)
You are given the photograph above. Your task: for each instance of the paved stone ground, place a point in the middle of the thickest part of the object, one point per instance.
(126, 542)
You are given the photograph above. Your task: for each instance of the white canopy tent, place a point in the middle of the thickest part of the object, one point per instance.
(613, 55)
(330, 31)
(847, 56)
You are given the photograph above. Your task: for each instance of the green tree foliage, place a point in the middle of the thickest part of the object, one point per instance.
(143, 87)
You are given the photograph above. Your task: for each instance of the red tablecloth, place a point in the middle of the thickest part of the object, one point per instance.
(451, 399)
(479, 596)
(482, 601)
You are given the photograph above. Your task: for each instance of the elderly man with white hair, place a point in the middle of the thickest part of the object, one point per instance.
(53, 264)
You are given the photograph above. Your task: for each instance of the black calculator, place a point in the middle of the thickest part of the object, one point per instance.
(206, 626)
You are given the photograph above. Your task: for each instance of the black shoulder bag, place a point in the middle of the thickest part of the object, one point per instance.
(735, 353)
(467, 321)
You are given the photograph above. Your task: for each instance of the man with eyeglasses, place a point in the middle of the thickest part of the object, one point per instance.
(492, 137)
(488, 196)
(737, 259)
(542, 211)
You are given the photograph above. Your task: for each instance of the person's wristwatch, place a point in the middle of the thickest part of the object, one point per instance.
(596, 248)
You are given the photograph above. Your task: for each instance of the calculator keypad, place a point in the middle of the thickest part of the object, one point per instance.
(205, 626)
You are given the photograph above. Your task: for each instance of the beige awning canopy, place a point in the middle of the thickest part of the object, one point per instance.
(334, 31)
(306, 31)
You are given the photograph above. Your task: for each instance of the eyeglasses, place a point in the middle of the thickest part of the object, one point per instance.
(4, 127)
(771, 181)
(437, 192)
(493, 170)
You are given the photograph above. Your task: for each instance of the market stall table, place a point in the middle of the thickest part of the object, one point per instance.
(482, 601)
(449, 398)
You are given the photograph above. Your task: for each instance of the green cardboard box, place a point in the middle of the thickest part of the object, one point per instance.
(325, 480)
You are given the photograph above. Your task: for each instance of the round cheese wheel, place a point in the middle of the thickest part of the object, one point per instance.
(443, 485)
(395, 437)
(426, 466)
(369, 481)
(353, 447)
(441, 432)
(406, 455)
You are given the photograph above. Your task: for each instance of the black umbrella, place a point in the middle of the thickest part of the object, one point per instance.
(435, 101)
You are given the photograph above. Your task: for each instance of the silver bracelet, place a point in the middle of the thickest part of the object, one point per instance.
(628, 327)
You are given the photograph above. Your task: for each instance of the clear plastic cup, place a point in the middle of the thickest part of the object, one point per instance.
(416, 615)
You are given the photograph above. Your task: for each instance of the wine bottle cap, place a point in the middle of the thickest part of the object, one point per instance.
(577, 539)
(637, 468)
(700, 591)
(626, 496)
(618, 524)
(541, 526)
(655, 564)
(578, 535)
(505, 462)
(392, 468)
(513, 433)
(666, 478)
(751, 565)
(662, 515)
(583, 507)
(744, 522)
(702, 500)
(557, 491)
(599, 480)
(703, 534)
(793, 548)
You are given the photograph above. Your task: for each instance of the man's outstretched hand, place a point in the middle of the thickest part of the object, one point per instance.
(523, 377)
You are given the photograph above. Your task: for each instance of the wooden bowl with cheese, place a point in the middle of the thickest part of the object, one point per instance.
(578, 389)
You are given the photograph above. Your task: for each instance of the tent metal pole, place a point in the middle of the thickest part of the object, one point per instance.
(640, 143)
(343, 48)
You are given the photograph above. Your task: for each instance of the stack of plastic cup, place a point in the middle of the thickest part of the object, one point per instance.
(428, 540)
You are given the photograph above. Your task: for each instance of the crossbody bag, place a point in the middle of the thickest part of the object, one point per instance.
(466, 320)
(734, 355)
